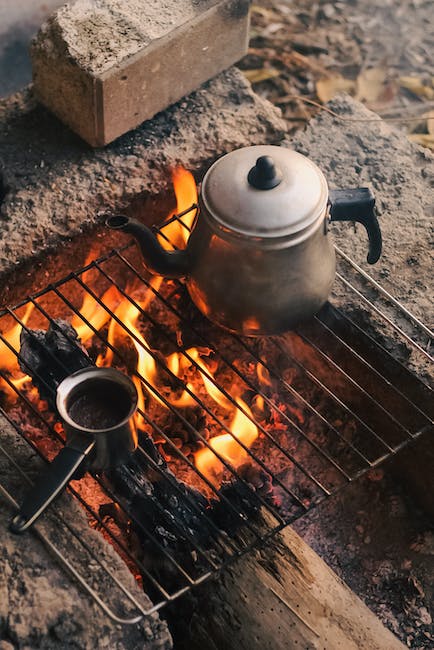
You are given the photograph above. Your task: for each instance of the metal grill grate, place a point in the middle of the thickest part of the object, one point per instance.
(334, 404)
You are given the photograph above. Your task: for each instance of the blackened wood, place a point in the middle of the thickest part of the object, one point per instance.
(49, 356)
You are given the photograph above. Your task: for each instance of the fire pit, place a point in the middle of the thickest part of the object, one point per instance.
(237, 437)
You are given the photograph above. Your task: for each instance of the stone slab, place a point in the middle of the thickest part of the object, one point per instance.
(362, 150)
(40, 605)
(105, 68)
(57, 184)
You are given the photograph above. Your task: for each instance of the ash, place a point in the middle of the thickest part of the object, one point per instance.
(375, 538)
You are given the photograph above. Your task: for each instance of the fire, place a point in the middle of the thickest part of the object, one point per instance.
(8, 359)
(121, 316)
(176, 235)
(127, 313)
(227, 445)
(263, 374)
(211, 388)
(94, 314)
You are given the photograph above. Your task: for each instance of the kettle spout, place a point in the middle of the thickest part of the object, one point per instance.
(170, 264)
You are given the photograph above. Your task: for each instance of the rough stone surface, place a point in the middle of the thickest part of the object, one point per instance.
(105, 66)
(40, 606)
(100, 34)
(361, 150)
(364, 153)
(57, 184)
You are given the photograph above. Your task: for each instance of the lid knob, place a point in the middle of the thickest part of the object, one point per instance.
(264, 175)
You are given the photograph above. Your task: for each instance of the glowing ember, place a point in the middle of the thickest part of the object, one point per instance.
(227, 445)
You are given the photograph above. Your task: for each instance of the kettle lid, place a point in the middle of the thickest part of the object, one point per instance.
(264, 191)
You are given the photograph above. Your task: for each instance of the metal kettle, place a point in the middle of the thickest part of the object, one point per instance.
(259, 259)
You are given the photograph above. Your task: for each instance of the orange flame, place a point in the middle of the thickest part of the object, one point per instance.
(94, 314)
(212, 390)
(8, 358)
(227, 445)
(263, 374)
(176, 235)
(129, 314)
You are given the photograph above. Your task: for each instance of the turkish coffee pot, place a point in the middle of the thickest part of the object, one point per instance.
(259, 259)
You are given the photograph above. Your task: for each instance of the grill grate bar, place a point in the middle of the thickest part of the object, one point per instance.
(356, 384)
(59, 517)
(164, 476)
(199, 402)
(384, 317)
(72, 571)
(297, 394)
(174, 411)
(335, 398)
(159, 229)
(371, 368)
(246, 380)
(386, 294)
(316, 464)
(74, 492)
(138, 522)
(416, 393)
(229, 397)
(362, 273)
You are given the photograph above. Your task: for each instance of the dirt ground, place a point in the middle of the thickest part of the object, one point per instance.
(381, 53)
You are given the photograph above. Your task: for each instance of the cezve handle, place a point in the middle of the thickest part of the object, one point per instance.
(50, 484)
(358, 205)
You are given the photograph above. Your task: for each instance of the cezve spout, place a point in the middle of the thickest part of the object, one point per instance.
(170, 264)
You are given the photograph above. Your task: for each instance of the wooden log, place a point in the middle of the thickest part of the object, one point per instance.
(283, 597)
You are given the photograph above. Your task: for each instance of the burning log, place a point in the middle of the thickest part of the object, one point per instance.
(50, 356)
(165, 511)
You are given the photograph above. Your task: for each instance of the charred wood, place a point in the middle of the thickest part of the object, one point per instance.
(49, 356)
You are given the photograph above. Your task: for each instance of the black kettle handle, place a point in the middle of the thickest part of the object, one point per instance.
(358, 205)
(51, 483)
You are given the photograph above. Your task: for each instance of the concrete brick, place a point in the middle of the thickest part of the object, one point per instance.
(103, 68)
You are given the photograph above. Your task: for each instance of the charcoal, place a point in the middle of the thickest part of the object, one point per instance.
(49, 356)
(246, 496)
(168, 508)
(163, 512)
